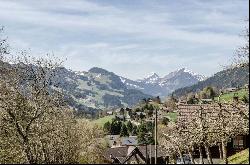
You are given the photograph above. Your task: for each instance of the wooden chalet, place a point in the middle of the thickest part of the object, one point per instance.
(134, 155)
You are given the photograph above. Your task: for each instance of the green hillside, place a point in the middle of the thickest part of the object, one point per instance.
(103, 120)
(225, 79)
(95, 90)
(172, 116)
(240, 158)
(228, 97)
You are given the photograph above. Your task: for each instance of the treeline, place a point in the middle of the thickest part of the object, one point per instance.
(144, 131)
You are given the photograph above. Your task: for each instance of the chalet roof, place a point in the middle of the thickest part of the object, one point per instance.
(160, 152)
(230, 89)
(122, 152)
(116, 152)
(207, 99)
(119, 116)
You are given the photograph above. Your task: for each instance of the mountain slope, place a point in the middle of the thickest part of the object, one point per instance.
(96, 90)
(157, 86)
(227, 78)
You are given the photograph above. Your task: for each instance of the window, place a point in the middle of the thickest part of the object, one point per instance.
(238, 142)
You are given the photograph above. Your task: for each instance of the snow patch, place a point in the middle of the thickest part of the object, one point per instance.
(123, 80)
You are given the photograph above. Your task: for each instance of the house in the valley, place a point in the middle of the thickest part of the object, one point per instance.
(182, 101)
(206, 101)
(246, 86)
(109, 112)
(135, 155)
(228, 90)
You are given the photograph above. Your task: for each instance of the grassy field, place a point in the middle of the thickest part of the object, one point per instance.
(103, 120)
(229, 96)
(240, 158)
(172, 116)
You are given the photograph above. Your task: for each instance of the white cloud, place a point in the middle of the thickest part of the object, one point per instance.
(89, 33)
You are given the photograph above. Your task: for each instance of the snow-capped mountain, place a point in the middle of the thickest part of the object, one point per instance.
(157, 86)
(151, 79)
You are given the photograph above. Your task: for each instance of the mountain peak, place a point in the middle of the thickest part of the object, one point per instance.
(153, 75)
(151, 78)
(188, 71)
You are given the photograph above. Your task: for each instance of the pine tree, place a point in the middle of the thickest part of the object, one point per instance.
(134, 131)
(124, 131)
(142, 130)
(107, 127)
(130, 127)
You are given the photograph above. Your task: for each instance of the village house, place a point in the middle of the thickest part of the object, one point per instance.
(246, 86)
(135, 155)
(117, 141)
(182, 101)
(109, 112)
(206, 101)
(228, 90)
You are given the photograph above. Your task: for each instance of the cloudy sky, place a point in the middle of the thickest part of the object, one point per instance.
(129, 37)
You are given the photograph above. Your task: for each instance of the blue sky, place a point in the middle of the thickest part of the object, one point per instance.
(129, 37)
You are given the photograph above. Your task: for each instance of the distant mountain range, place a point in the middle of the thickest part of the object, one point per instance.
(156, 86)
(99, 89)
(233, 77)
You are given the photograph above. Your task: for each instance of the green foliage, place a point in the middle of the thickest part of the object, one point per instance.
(135, 131)
(124, 131)
(172, 116)
(240, 158)
(107, 127)
(144, 135)
(165, 121)
(101, 121)
(245, 99)
(116, 127)
(228, 97)
(207, 93)
(150, 126)
(130, 127)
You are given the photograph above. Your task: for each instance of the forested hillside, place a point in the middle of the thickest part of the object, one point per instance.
(235, 77)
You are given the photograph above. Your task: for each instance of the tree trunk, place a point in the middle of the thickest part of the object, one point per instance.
(191, 156)
(181, 155)
(174, 159)
(220, 151)
(209, 157)
(29, 154)
(224, 149)
(201, 155)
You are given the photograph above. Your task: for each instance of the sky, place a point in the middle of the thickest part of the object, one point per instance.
(131, 38)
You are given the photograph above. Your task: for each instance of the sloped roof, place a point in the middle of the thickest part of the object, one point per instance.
(121, 153)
